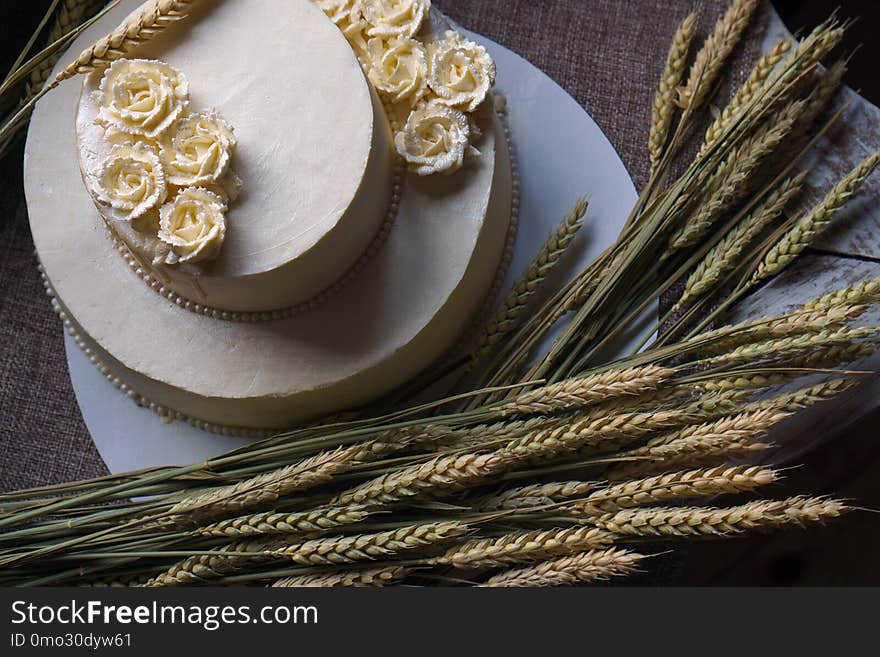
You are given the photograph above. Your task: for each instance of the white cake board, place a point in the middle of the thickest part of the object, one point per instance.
(562, 156)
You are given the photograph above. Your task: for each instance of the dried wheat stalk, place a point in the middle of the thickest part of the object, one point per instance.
(798, 345)
(717, 48)
(725, 257)
(581, 392)
(535, 495)
(368, 577)
(314, 521)
(206, 568)
(588, 567)
(727, 437)
(523, 547)
(753, 85)
(440, 475)
(364, 547)
(664, 101)
(308, 473)
(866, 292)
(712, 521)
(674, 486)
(730, 182)
(534, 275)
(152, 18)
(814, 222)
(592, 431)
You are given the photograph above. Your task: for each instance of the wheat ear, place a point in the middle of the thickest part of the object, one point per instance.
(367, 577)
(483, 437)
(523, 547)
(593, 431)
(441, 475)
(152, 18)
(591, 566)
(729, 182)
(717, 48)
(814, 222)
(365, 547)
(534, 275)
(798, 345)
(206, 568)
(263, 489)
(535, 495)
(581, 392)
(314, 521)
(267, 488)
(675, 486)
(664, 101)
(725, 256)
(700, 443)
(713, 521)
(866, 292)
(69, 16)
(798, 400)
(753, 85)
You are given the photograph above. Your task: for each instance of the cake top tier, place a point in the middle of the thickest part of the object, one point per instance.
(289, 84)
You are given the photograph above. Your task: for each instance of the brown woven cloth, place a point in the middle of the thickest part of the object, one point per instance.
(607, 53)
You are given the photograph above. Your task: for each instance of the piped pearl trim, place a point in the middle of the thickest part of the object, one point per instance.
(379, 240)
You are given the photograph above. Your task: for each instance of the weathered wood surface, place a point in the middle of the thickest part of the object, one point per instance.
(855, 135)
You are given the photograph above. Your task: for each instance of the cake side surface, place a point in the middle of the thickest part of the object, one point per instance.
(315, 174)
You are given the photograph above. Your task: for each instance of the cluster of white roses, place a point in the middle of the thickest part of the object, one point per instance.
(163, 152)
(440, 80)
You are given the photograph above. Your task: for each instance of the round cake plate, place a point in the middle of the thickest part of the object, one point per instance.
(562, 156)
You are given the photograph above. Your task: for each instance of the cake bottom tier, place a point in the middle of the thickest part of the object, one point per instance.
(408, 306)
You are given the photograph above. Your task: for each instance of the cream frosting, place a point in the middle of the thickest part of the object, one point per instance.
(141, 97)
(410, 303)
(398, 68)
(193, 225)
(131, 181)
(461, 72)
(196, 150)
(402, 18)
(434, 139)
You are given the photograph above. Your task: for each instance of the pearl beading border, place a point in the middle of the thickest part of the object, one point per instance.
(283, 313)
(167, 414)
(488, 307)
(171, 415)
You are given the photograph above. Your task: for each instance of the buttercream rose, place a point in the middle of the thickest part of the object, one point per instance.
(460, 72)
(141, 97)
(348, 17)
(401, 18)
(131, 180)
(193, 225)
(398, 68)
(434, 139)
(196, 149)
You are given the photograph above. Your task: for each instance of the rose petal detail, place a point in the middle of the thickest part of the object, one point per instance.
(398, 68)
(193, 225)
(141, 97)
(434, 139)
(197, 149)
(460, 72)
(131, 180)
(400, 18)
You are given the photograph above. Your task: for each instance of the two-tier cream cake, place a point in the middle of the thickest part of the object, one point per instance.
(272, 210)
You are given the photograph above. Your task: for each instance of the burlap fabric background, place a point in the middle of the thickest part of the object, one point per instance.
(606, 53)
